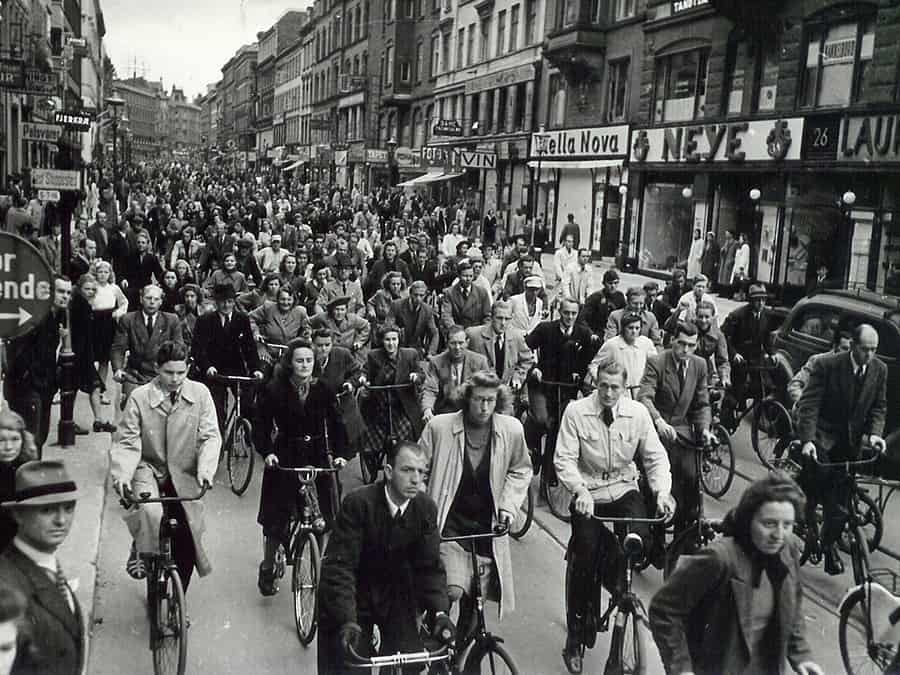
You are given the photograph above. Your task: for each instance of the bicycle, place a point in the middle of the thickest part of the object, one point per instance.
(371, 462)
(520, 526)
(166, 604)
(628, 644)
(238, 446)
(395, 663)
(717, 460)
(303, 553)
(476, 647)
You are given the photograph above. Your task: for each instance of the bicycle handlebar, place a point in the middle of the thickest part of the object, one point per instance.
(398, 659)
(659, 520)
(385, 387)
(275, 345)
(218, 377)
(500, 530)
(306, 474)
(128, 498)
(574, 384)
(849, 463)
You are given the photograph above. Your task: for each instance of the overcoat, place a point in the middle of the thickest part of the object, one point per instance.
(440, 392)
(407, 363)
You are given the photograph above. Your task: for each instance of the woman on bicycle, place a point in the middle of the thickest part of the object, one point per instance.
(303, 410)
(390, 414)
(278, 322)
(378, 309)
(736, 607)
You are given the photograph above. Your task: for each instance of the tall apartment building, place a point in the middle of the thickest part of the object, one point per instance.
(209, 112)
(239, 96)
(183, 123)
(143, 111)
(287, 102)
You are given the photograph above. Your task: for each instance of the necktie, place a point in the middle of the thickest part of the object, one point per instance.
(465, 294)
(344, 286)
(860, 378)
(682, 373)
(62, 587)
(608, 417)
(226, 322)
(173, 398)
(149, 325)
(499, 356)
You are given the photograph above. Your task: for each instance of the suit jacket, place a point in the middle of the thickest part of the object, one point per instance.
(139, 270)
(407, 363)
(31, 358)
(230, 353)
(747, 336)
(685, 408)
(335, 289)
(596, 309)
(99, 234)
(441, 394)
(216, 249)
(50, 249)
(517, 355)
(343, 367)
(131, 336)
(471, 311)
(118, 249)
(520, 318)
(57, 633)
(419, 329)
(378, 570)
(832, 412)
(701, 617)
(382, 267)
(562, 356)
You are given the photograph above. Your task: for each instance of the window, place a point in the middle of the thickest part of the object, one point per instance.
(445, 52)
(767, 75)
(418, 10)
(623, 9)
(419, 65)
(838, 60)
(435, 55)
(409, 8)
(460, 47)
(356, 65)
(501, 32)
(817, 323)
(617, 92)
(389, 65)
(569, 15)
(530, 20)
(404, 71)
(470, 46)
(514, 28)
(738, 65)
(680, 90)
(485, 38)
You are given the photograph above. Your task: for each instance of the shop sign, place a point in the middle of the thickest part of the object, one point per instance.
(405, 157)
(40, 83)
(356, 153)
(340, 158)
(76, 121)
(376, 156)
(504, 78)
(12, 74)
(42, 133)
(448, 128)
(589, 142)
(820, 137)
(457, 158)
(679, 6)
(735, 142)
(870, 138)
(278, 118)
(55, 179)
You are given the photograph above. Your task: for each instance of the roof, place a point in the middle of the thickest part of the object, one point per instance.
(862, 300)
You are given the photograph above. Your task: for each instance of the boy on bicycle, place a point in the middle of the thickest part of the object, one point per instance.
(599, 437)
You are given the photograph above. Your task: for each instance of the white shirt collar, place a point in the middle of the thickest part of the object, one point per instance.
(856, 366)
(392, 507)
(46, 561)
(147, 316)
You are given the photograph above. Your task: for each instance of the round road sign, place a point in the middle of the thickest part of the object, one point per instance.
(26, 286)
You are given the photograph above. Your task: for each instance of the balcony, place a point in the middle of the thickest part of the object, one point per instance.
(578, 50)
(754, 17)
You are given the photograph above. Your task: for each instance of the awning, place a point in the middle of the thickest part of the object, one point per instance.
(576, 164)
(293, 166)
(430, 177)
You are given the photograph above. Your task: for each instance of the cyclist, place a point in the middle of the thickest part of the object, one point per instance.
(711, 343)
(599, 437)
(223, 345)
(416, 320)
(841, 410)
(630, 349)
(566, 349)
(464, 303)
(479, 473)
(674, 389)
(350, 330)
(335, 367)
(747, 330)
(504, 347)
(635, 299)
(302, 408)
(528, 307)
(446, 373)
(168, 444)
(841, 342)
(382, 567)
(600, 304)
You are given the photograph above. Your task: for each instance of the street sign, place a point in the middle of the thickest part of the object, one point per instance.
(40, 83)
(78, 121)
(48, 195)
(43, 133)
(26, 286)
(55, 179)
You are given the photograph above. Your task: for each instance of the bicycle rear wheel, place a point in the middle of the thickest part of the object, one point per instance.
(523, 519)
(627, 645)
(717, 464)
(771, 430)
(240, 456)
(304, 587)
(870, 521)
(489, 658)
(170, 643)
(859, 652)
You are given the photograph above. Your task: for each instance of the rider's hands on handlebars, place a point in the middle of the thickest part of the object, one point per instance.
(258, 374)
(350, 635)
(211, 371)
(413, 378)
(427, 414)
(584, 503)
(809, 450)
(878, 443)
(443, 630)
(340, 462)
(666, 430)
(665, 505)
(708, 437)
(536, 374)
(272, 460)
(119, 375)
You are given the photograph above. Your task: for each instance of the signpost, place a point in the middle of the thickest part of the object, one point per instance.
(76, 121)
(48, 195)
(42, 133)
(55, 179)
(26, 287)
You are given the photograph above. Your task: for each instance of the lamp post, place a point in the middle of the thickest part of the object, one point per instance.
(114, 101)
(391, 148)
(848, 199)
(540, 140)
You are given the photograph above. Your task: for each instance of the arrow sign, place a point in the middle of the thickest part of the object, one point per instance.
(22, 315)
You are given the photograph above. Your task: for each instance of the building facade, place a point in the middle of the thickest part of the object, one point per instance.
(184, 124)
(238, 106)
(143, 112)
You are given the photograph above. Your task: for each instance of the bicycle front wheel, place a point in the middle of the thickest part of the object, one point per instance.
(859, 651)
(170, 643)
(489, 658)
(717, 464)
(240, 456)
(304, 587)
(523, 519)
(870, 522)
(771, 430)
(627, 647)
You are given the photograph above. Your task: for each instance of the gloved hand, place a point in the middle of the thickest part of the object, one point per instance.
(350, 635)
(443, 631)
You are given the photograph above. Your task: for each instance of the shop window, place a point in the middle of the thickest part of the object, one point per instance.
(680, 89)
(889, 270)
(838, 60)
(502, 102)
(667, 226)
(557, 114)
(617, 92)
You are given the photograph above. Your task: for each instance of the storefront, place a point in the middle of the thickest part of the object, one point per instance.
(580, 172)
(356, 165)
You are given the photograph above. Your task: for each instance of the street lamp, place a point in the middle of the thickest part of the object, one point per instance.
(849, 198)
(687, 192)
(540, 139)
(114, 101)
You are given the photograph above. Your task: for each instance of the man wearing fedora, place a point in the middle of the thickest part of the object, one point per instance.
(223, 344)
(747, 330)
(43, 508)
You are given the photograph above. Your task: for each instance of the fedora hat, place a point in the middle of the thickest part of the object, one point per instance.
(757, 291)
(337, 302)
(43, 482)
(223, 292)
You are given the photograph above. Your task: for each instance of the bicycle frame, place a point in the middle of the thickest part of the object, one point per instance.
(234, 383)
(306, 491)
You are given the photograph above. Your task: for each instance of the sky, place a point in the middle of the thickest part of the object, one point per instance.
(184, 42)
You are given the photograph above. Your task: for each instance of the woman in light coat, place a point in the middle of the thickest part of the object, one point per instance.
(695, 257)
(444, 442)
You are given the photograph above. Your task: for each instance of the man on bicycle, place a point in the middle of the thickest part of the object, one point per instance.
(479, 474)
(747, 330)
(566, 349)
(711, 343)
(223, 345)
(168, 445)
(599, 437)
(842, 409)
(674, 390)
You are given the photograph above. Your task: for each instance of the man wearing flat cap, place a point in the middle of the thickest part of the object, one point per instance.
(223, 345)
(43, 508)
(350, 330)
